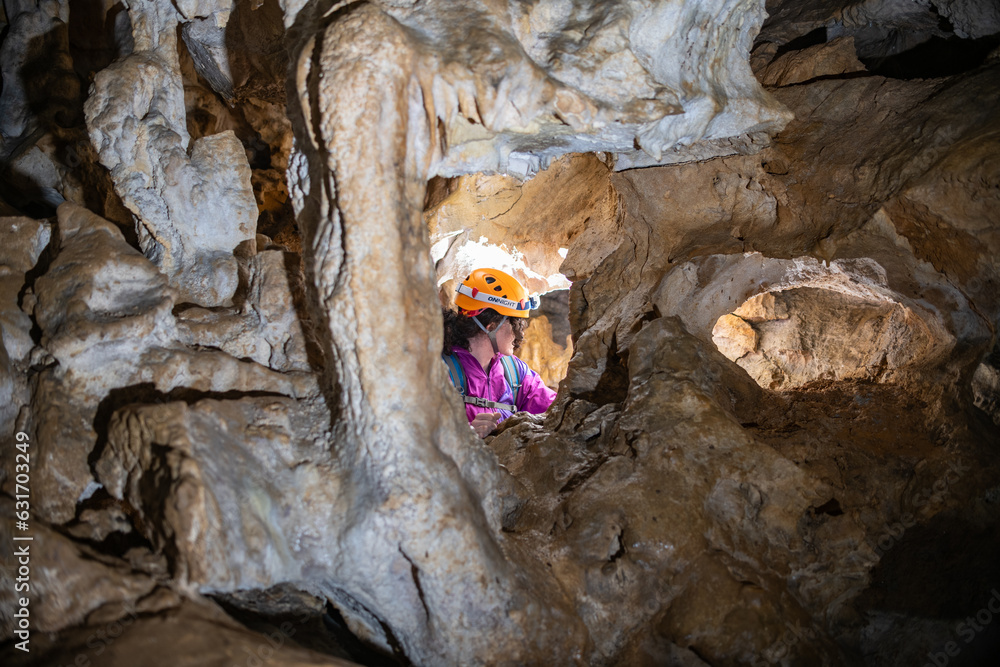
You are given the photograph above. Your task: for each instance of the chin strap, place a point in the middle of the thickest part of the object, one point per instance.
(491, 334)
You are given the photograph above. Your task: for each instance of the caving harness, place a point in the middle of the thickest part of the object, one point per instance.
(511, 373)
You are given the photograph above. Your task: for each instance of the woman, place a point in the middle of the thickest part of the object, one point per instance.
(479, 344)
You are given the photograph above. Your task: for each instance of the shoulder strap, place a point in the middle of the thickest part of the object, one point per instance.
(457, 376)
(455, 372)
(513, 375)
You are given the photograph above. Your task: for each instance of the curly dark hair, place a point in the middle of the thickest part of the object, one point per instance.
(459, 329)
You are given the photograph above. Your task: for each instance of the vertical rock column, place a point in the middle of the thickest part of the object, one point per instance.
(419, 553)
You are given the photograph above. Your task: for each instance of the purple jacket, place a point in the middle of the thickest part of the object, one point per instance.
(535, 397)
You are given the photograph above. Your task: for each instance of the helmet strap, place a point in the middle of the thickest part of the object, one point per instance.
(491, 334)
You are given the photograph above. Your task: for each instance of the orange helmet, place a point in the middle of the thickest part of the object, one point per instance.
(491, 288)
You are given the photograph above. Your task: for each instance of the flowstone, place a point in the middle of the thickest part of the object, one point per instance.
(194, 203)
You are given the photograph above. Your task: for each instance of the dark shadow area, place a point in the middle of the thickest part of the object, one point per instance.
(943, 569)
(117, 542)
(830, 508)
(555, 307)
(30, 198)
(817, 36)
(937, 57)
(300, 302)
(438, 189)
(612, 387)
(58, 67)
(356, 649)
(946, 570)
(93, 35)
(288, 615)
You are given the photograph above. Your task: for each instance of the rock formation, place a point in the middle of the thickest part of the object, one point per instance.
(775, 441)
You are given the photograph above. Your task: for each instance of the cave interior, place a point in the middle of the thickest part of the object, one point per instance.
(767, 239)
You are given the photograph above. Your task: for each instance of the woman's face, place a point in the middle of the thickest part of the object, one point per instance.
(505, 338)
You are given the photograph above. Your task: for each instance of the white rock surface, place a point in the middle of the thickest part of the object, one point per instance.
(270, 324)
(22, 241)
(505, 88)
(193, 202)
(109, 336)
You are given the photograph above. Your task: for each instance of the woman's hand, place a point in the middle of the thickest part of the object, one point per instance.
(484, 423)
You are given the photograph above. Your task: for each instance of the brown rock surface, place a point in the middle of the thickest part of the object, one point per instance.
(734, 337)
(823, 335)
(525, 227)
(543, 354)
(823, 60)
(197, 632)
(67, 581)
